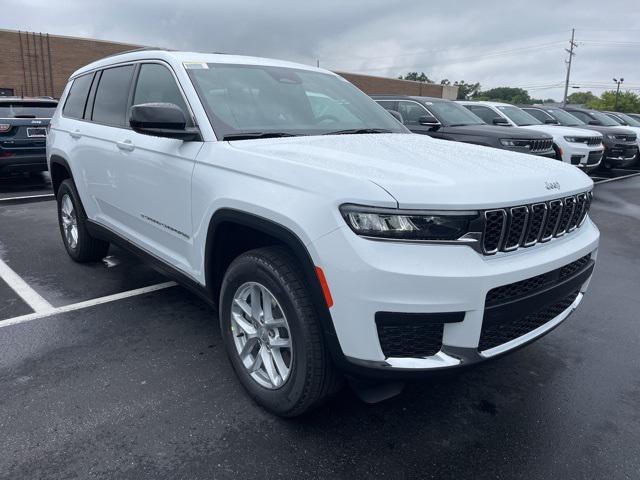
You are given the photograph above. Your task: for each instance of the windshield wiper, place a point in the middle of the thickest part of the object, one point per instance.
(357, 131)
(251, 135)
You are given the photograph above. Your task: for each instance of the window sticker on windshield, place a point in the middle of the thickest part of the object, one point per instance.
(195, 65)
(428, 103)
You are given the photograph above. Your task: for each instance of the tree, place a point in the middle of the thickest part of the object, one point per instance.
(581, 98)
(416, 77)
(627, 101)
(465, 90)
(507, 95)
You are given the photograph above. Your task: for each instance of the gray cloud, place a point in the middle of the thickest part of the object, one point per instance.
(517, 43)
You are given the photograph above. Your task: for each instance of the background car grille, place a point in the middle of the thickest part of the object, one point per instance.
(626, 138)
(540, 145)
(507, 229)
(496, 334)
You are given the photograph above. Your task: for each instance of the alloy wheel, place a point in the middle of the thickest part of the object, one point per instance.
(69, 222)
(261, 335)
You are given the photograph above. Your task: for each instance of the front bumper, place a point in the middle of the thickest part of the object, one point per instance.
(582, 155)
(621, 155)
(368, 277)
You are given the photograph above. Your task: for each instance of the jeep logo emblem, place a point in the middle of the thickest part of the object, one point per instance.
(36, 122)
(552, 185)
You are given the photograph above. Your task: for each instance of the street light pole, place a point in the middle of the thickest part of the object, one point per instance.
(618, 82)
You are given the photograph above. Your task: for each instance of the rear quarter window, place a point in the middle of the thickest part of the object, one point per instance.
(76, 102)
(112, 96)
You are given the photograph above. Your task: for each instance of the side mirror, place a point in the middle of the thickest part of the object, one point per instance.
(161, 120)
(501, 121)
(594, 122)
(397, 115)
(428, 120)
(550, 121)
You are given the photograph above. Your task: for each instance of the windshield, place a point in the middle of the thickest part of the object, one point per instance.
(453, 114)
(519, 116)
(263, 100)
(564, 118)
(27, 109)
(605, 120)
(630, 120)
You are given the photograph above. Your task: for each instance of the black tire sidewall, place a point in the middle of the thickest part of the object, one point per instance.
(285, 398)
(67, 188)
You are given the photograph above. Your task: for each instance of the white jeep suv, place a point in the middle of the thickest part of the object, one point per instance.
(334, 243)
(576, 146)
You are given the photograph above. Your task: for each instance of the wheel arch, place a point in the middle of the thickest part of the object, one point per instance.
(59, 170)
(225, 222)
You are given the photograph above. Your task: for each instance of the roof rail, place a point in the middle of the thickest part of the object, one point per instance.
(141, 49)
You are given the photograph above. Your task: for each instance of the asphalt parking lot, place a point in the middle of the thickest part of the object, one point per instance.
(119, 374)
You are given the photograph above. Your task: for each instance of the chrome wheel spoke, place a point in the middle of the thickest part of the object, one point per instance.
(69, 221)
(279, 342)
(244, 306)
(249, 346)
(281, 366)
(256, 307)
(244, 325)
(270, 367)
(256, 364)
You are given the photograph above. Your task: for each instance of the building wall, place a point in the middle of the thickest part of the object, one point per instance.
(34, 64)
(381, 85)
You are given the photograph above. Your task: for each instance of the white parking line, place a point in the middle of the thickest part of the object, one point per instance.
(88, 303)
(599, 182)
(24, 291)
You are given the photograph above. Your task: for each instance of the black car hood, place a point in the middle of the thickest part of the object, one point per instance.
(604, 129)
(496, 131)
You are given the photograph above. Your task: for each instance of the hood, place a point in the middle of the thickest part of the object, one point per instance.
(560, 131)
(620, 130)
(496, 131)
(422, 172)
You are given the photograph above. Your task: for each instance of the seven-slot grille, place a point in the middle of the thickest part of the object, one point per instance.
(507, 229)
(626, 138)
(540, 145)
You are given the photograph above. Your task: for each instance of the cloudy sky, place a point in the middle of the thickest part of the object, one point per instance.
(497, 43)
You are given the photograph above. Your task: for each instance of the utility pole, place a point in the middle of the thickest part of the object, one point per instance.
(617, 91)
(572, 45)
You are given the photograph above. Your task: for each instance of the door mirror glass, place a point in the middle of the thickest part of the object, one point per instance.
(501, 121)
(550, 121)
(594, 122)
(161, 120)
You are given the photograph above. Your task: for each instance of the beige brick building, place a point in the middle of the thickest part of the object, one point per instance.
(39, 64)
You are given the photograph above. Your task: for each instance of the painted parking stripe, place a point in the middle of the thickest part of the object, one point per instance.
(86, 304)
(24, 291)
(607, 180)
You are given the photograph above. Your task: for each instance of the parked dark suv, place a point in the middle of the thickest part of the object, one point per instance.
(620, 144)
(448, 120)
(622, 150)
(23, 131)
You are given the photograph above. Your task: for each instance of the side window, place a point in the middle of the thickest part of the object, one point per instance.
(581, 115)
(485, 113)
(77, 98)
(112, 96)
(539, 114)
(387, 104)
(156, 84)
(412, 112)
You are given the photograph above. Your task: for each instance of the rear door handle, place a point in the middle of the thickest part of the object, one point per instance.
(75, 134)
(126, 145)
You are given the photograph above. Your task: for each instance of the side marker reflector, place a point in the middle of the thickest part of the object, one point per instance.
(325, 287)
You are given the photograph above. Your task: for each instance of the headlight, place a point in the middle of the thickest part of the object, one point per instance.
(510, 142)
(572, 139)
(612, 136)
(407, 224)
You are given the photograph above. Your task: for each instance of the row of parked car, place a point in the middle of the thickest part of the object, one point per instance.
(586, 138)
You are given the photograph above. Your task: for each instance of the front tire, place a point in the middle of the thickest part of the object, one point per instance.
(80, 245)
(272, 334)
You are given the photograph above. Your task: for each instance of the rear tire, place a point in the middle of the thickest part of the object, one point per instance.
(304, 376)
(80, 245)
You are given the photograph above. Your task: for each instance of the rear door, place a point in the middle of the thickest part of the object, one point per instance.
(154, 174)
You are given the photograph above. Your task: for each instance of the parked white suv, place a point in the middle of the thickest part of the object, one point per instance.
(332, 240)
(580, 147)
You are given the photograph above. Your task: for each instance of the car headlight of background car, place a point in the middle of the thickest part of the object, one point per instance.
(573, 139)
(407, 224)
(511, 142)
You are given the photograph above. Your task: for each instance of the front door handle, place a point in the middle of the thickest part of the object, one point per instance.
(126, 145)
(75, 134)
